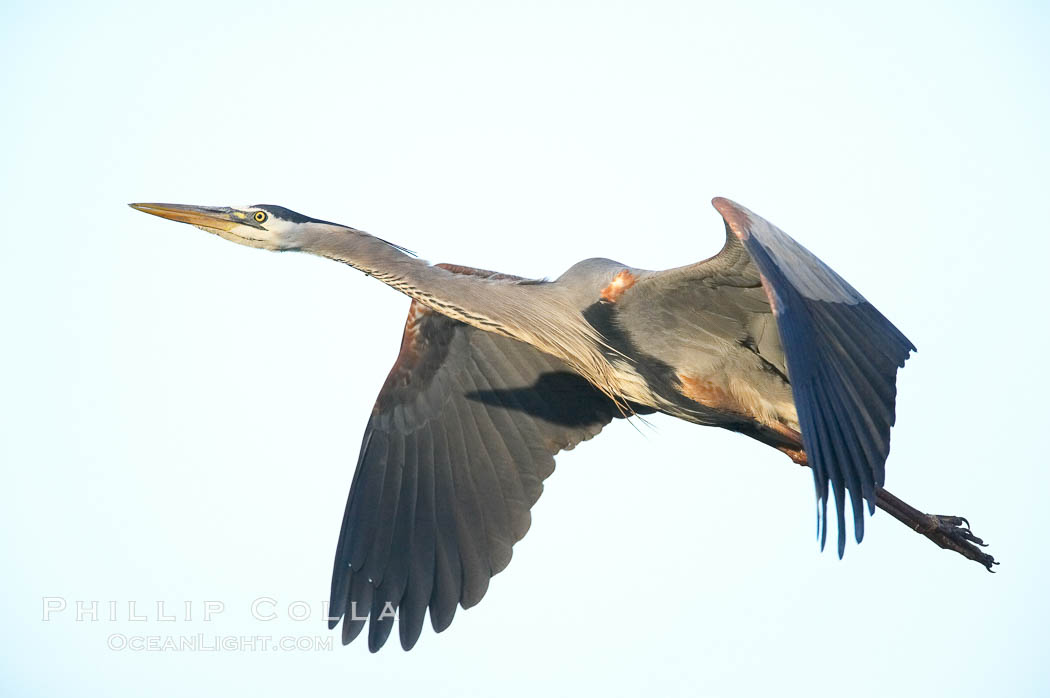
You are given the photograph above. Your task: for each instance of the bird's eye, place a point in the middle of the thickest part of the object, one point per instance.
(260, 217)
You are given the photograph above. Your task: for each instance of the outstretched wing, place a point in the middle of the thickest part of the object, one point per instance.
(840, 354)
(842, 360)
(460, 440)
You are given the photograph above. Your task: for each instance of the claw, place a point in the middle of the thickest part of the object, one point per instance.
(953, 520)
(953, 536)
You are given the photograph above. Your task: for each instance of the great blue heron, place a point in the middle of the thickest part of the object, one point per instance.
(497, 374)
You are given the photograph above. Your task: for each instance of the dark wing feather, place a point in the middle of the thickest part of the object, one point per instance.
(842, 358)
(460, 440)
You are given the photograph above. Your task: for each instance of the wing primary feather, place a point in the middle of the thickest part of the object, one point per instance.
(793, 328)
(340, 591)
(421, 561)
(448, 574)
(837, 460)
(341, 570)
(873, 446)
(380, 622)
(855, 466)
(358, 606)
(387, 515)
(470, 520)
(365, 498)
(395, 575)
(823, 459)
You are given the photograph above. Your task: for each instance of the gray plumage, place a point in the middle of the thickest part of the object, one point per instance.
(497, 374)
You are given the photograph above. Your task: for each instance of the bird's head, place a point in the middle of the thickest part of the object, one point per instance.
(264, 226)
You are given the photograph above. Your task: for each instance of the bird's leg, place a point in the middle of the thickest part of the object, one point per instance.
(949, 532)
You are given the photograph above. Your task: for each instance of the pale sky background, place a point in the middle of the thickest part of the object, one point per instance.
(181, 416)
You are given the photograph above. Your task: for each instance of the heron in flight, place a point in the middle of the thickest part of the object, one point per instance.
(497, 374)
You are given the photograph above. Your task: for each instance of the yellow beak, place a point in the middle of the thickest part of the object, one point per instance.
(211, 217)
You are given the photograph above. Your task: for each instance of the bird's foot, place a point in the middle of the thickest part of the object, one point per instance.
(948, 532)
(953, 533)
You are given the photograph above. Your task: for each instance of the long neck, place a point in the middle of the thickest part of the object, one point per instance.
(533, 313)
(487, 305)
